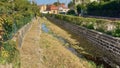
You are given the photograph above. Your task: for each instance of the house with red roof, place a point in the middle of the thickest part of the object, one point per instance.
(63, 9)
(53, 9)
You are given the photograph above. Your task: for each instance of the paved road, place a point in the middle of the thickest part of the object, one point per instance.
(30, 50)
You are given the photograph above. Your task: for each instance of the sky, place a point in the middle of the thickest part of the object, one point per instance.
(39, 2)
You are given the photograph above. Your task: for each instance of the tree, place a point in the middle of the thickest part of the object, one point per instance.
(71, 12)
(107, 9)
(79, 9)
(56, 3)
(70, 4)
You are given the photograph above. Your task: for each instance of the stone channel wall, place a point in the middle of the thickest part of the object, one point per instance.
(19, 36)
(110, 46)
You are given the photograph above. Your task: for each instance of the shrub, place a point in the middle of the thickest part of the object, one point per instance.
(8, 52)
(116, 32)
(71, 12)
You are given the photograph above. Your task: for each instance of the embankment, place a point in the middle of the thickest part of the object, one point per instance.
(110, 46)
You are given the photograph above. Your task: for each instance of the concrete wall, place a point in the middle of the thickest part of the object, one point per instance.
(110, 46)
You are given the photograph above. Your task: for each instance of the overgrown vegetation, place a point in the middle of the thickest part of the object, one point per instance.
(107, 9)
(14, 14)
(102, 25)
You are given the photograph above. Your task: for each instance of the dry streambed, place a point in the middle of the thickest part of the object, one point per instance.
(56, 52)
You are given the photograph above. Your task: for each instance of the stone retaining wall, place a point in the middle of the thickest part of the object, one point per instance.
(110, 46)
(22, 32)
(19, 36)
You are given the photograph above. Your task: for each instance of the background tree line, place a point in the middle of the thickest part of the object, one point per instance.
(107, 8)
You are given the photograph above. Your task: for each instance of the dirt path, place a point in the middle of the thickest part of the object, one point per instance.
(30, 50)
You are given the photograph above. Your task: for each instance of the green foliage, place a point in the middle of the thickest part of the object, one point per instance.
(56, 3)
(90, 26)
(15, 14)
(8, 52)
(71, 12)
(91, 23)
(79, 8)
(70, 5)
(116, 32)
(96, 66)
(7, 26)
(107, 8)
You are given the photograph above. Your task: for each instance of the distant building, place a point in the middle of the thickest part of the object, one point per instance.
(62, 9)
(52, 9)
(43, 8)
